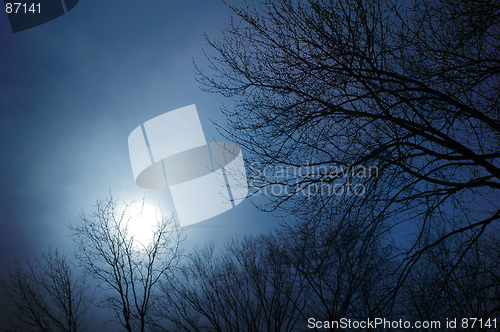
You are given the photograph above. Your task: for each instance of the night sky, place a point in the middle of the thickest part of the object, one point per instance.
(71, 92)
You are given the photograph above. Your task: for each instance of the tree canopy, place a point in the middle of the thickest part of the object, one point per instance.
(407, 88)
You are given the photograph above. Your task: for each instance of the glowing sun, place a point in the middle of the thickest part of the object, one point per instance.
(143, 223)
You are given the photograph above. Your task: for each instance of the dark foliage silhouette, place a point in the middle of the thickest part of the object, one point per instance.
(127, 270)
(410, 89)
(47, 295)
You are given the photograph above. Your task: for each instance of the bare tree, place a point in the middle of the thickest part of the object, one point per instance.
(245, 287)
(439, 287)
(47, 296)
(276, 282)
(397, 99)
(347, 267)
(128, 270)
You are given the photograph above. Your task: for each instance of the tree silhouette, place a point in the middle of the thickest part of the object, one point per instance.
(47, 296)
(409, 90)
(128, 270)
(346, 267)
(276, 282)
(247, 286)
(439, 287)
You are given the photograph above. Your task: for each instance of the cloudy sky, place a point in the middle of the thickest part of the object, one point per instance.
(73, 89)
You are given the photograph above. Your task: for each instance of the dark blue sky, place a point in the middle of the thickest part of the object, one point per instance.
(73, 89)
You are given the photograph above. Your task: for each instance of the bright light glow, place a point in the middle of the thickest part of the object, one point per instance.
(141, 227)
